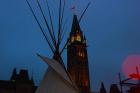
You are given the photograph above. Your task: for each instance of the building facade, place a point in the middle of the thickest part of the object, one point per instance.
(18, 83)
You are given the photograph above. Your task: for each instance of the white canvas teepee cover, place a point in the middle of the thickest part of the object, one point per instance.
(55, 79)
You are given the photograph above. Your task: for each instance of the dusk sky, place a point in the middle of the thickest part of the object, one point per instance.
(112, 29)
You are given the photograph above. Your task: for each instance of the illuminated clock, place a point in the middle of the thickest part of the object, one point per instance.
(78, 37)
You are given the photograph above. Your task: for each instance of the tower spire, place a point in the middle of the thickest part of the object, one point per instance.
(76, 34)
(75, 25)
(102, 89)
(13, 77)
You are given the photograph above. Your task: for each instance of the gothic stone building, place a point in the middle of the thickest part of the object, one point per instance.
(19, 83)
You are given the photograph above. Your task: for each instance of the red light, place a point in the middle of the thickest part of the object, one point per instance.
(129, 66)
(135, 76)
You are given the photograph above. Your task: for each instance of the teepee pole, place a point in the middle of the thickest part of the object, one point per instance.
(62, 17)
(63, 34)
(64, 46)
(59, 23)
(42, 30)
(84, 12)
(46, 22)
(52, 27)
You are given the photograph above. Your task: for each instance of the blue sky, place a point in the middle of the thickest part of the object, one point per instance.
(112, 29)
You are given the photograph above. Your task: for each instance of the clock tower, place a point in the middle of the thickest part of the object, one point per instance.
(77, 58)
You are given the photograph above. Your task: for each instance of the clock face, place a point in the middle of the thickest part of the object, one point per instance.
(78, 38)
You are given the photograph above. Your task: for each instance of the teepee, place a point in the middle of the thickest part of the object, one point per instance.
(56, 79)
